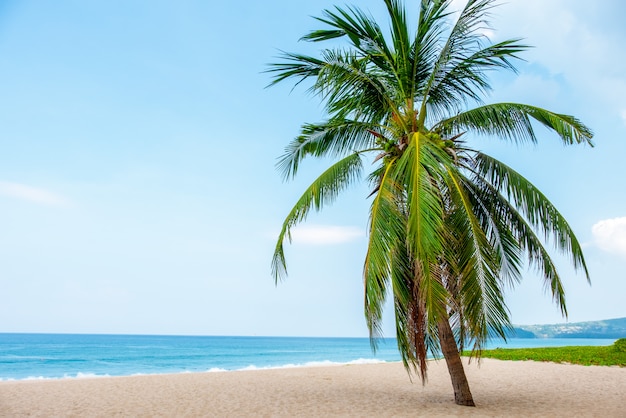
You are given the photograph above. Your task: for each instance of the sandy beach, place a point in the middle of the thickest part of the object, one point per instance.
(378, 390)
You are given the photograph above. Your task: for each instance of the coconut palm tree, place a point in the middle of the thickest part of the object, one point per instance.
(450, 227)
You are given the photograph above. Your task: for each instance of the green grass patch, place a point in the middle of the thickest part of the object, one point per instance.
(612, 355)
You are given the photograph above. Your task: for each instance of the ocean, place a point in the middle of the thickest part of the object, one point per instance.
(59, 356)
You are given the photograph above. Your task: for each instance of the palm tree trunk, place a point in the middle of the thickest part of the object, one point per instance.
(462, 394)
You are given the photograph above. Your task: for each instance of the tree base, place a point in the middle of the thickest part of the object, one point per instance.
(464, 402)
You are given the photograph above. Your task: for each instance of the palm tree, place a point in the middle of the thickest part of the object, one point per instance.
(450, 227)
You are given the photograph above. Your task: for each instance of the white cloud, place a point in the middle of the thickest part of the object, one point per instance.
(31, 194)
(610, 235)
(623, 115)
(574, 40)
(325, 234)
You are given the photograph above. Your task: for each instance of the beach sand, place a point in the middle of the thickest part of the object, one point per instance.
(500, 389)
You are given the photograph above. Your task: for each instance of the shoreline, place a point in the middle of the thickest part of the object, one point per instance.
(86, 376)
(252, 368)
(500, 388)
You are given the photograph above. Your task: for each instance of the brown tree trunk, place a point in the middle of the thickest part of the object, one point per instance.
(462, 394)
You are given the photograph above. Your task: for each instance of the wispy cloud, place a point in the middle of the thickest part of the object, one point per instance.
(325, 234)
(623, 115)
(554, 26)
(31, 194)
(610, 235)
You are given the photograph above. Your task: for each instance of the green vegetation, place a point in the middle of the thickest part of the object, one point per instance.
(613, 355)
(620, 345)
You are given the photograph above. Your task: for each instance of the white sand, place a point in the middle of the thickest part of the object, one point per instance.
(500, 389)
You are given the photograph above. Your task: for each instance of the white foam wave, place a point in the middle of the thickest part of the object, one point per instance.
(78, 375)
(252, 367)
(41, 378)
(322, 363)
(366, 361)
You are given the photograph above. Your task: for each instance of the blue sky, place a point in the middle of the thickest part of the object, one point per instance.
(138, 192)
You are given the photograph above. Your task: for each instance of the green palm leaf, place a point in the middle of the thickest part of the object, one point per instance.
(418, 169)
(479, 288)
(386, 232)
(512, 121)
(511, 220)
(534, 205)
(322, 191)
(336, 138)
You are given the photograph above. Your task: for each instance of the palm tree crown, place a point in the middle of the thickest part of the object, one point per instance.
(449, 225)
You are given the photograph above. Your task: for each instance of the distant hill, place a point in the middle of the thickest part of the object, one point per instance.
(521, 333)
(608, 328)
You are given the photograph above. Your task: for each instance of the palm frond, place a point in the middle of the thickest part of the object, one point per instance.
(322, 191)
(402, 62)
(525, 236)
(351, 89)
(386, 231)
(480, 297)
(502, 240)
(512, 121)
(415, 169)
(466, 80)
(535, 206)
(361, 29)
(418, 169)
(296, 66)
(334, 138)
(426, 44)
(464, 37)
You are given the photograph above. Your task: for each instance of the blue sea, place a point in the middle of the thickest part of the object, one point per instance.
(58, 356)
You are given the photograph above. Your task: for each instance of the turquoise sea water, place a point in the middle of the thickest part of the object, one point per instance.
(54, 356)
